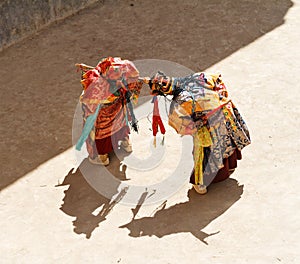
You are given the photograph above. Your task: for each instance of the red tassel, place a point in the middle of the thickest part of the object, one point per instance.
(156, 120)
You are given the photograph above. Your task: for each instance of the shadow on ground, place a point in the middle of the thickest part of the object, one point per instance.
(85, 203)
(40, 88)
(91, 208)
(191, 216)
(80, 201)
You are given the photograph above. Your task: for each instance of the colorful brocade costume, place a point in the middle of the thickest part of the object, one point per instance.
(200, 107)
(108, 90)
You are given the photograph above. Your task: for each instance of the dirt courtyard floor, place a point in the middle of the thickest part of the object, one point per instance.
(48, 211)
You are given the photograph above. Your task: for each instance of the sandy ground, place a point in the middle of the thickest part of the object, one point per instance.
(49, 213)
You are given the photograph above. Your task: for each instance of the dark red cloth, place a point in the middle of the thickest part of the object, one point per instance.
(229, 163)
(108, 144)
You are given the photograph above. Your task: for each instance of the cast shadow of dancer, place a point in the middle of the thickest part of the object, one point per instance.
(191, 216)
(85, 203)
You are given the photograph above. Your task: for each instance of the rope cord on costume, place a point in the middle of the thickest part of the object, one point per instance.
(134, 122)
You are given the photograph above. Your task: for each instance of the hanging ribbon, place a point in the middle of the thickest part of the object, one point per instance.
(88, 126)
(156, 120)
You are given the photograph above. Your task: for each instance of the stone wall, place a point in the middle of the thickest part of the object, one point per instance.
(20, 18)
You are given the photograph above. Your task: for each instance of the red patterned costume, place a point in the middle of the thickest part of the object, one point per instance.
(107, 91)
